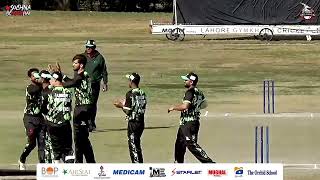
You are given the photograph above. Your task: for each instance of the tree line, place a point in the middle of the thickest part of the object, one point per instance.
(96, 5)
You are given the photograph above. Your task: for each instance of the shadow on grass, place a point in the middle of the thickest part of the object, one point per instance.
(299, 87)
(124, 129)
(209, 85)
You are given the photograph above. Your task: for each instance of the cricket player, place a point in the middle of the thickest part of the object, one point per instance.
(32, 119)
(58, 118)
(45, 78)
(134, 106)
(187, 136)
(82, 110)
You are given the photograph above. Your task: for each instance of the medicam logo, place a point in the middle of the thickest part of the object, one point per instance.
(128, 172)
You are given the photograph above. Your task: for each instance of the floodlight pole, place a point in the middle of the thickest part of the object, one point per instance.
(175, 12)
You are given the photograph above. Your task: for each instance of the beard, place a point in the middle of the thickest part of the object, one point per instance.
(36, 82)
(186, 86)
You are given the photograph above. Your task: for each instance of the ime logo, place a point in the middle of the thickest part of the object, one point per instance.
(157, 172)
(18, 10)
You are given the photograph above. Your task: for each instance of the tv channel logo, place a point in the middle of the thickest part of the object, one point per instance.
(157, 172)
(238, 171)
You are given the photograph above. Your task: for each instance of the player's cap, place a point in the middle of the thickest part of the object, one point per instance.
(90, 43)
(190, 77)
(134, 77)
(57, 76)
(45, 74)
(36, 75)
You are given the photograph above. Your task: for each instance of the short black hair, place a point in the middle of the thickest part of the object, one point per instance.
(134, 77)
(195, 82)
(82, 59)
(57, 75)
(31, 70)
(43, 72)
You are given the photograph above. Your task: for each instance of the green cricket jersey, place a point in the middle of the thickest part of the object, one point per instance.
(135, 105)
(195, 97)
(82, 85)
(59, 105)
(33, 100)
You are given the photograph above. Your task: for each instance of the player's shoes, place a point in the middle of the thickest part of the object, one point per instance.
(22, 166)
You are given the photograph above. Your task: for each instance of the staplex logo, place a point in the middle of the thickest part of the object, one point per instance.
(49, 171)
(181, 172)
(262, 172)
(217, 172)
(157, 172)
(128, 172)
(101, 174)
(238, 171)
(76, 172)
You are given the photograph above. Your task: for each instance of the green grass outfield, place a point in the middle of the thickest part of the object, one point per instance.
(231, 75)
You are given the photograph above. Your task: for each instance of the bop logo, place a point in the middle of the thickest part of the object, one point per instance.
(49, 171)
(238, 171)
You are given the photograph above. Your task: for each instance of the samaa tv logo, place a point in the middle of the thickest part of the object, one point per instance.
(18, 10)
(238, 171)
(50, 171)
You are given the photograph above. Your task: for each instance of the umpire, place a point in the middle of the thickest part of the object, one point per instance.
(97, 70)
(187, 136)
(134, 106)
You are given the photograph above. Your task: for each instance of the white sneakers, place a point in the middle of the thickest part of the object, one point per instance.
(56, 161)
(22, 166)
